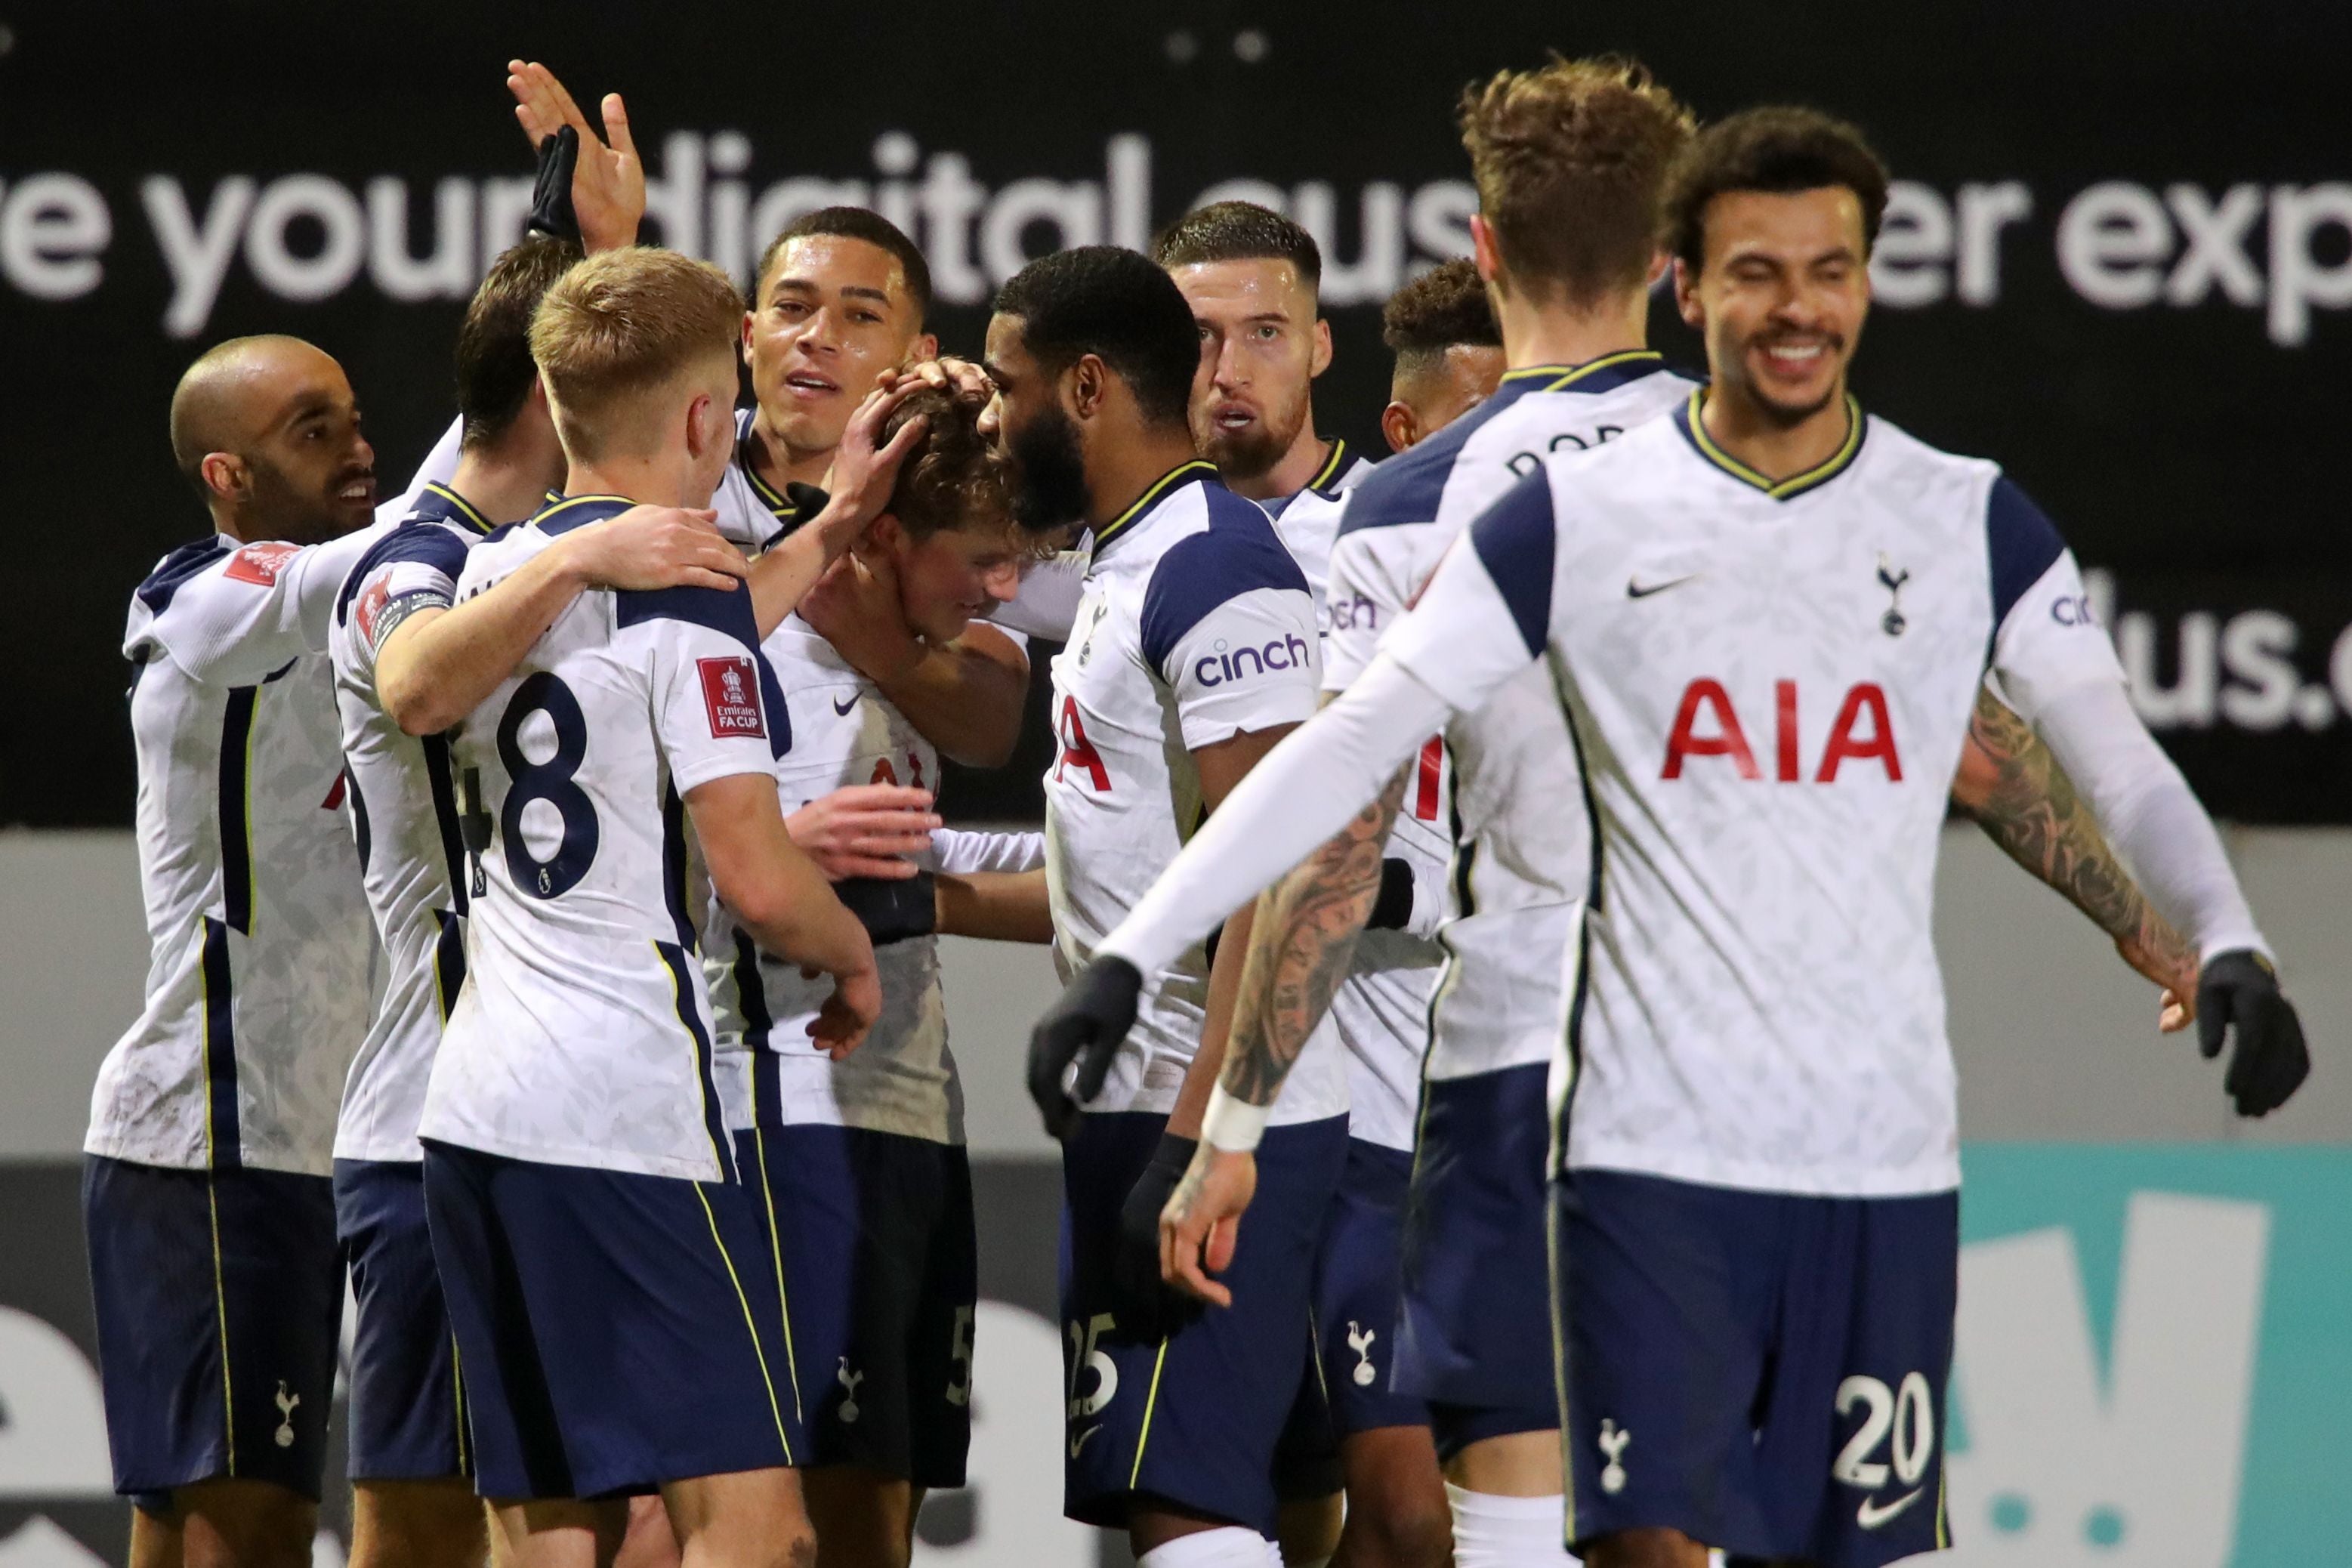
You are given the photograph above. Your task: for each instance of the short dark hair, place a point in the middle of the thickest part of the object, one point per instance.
(1569, 159)
(1118, 305)
(1778, 150)
(856, 223)
(1238, 231)
(495, 369)
(1444, 306)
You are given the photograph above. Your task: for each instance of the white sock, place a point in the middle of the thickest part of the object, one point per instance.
(1227, 1546)
(1492, 1531)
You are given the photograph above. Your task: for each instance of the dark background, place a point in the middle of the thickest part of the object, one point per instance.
(2181, 447)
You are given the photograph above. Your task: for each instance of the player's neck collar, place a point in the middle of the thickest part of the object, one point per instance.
(1694, 428)
(1594, 375)
(1158, 490)
(1333, 465)
(440, 502)
(564, 513)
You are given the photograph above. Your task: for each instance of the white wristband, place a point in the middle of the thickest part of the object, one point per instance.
(1233, 1126)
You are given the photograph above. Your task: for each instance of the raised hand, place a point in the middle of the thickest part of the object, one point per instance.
(608, 182)
(865, 469)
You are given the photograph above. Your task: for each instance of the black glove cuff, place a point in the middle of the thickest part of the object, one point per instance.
(1175, 1152)
(1392, 910)
(550, 195)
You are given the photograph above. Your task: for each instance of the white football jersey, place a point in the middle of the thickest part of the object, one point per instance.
(582, 1035)
(900, 1078)
(258, 970)
(752, 513)
(1768, 685)
(1517, 875)
(1195, 625)
(404, 805)
(1381, 1009)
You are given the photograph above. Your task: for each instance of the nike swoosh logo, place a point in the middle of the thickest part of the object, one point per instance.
(1870, 1515)
(1079, 1441)
(1634, 590)
(843, 708)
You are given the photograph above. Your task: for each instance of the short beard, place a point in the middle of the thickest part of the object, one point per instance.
(1251, 454)
(280, 511)
(1051, 486)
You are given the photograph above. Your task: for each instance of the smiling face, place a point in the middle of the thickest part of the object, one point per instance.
(1780, 295)
(951, 577)
(291, 455)
(1262, 347)
(832, 313)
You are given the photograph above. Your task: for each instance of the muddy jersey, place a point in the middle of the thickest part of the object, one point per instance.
(259, 948)
(900, 1078)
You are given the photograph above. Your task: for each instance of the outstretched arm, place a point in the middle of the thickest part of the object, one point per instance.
(2014, 789)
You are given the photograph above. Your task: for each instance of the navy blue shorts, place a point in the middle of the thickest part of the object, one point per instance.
(408, 1404)
(1475, 1337)
(1760, 1370)
(615, 1330)
(1357, 1292)
(219, 1297)
(1193, 1418)
(879, 1279)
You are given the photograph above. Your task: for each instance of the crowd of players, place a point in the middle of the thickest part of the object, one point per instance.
(545, 888)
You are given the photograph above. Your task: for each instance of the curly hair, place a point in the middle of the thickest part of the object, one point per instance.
(955, 477)
(1569, 159)
(1444, 306)
(1775, 149)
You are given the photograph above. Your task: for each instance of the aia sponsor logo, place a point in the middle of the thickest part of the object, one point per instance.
(261, 563)
(1708, 725)
(731, 691)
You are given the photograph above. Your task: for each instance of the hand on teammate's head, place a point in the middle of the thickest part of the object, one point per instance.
(966, 380)
(864, 466)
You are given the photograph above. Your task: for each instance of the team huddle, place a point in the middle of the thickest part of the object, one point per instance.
(1503, 1085)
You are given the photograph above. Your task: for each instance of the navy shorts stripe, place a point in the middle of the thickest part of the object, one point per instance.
(223, 1145)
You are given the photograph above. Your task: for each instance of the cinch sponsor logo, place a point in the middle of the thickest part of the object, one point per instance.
(1350, 613)
(1219, 667)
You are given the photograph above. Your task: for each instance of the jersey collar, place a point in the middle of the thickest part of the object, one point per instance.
(565, 514)
(438, 503)
(1333, 467)
(1606, 374)
(1158, 490)
(1694, 429)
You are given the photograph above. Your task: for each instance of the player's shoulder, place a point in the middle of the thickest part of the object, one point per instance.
(1896, 453)
(423, 539)
(1221, 547)
(176, 570)
(1407, 488)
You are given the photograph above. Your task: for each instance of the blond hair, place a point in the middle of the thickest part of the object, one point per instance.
(617, 329)
(1570, 160)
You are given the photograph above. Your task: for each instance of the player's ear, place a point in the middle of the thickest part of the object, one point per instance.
(745, 347)
(225, 475)
(1398, 427)
(926, 346)
(1085, 385)
(1320, 360)
(1484, 254)
(1659, 262)
(885, 533)
(1687, 295)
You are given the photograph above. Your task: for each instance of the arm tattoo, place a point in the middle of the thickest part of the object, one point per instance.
(1301, 945)
(2030, 809)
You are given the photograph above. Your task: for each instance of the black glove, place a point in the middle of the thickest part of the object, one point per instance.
(550, 196)
(1146, 1306)
(1084, 1025)
(1392, 910)
(2239, 991)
